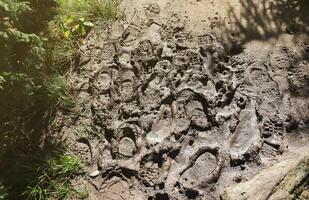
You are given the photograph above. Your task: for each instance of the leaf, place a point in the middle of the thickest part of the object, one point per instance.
(67, 33)
(81, 30)
(69, 20)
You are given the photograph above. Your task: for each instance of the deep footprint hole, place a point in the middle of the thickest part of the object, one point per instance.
(192, 194)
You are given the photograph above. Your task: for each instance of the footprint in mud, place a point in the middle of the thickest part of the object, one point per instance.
(197, 166)
(181, 60)
(194, 57)
(273, 131)
(127, 91)
(125, 141)
(101, 103)
(152, 11)
(156, 89)
(127, 147)
(281, 59)
(162, 67)
(225, 92)
(202, 169)
(127, 86)
(154, 168)
(103, 82)
(144, 52)
(191, 109)
(246, 139)
(117, 188)
(161, 127)
(124, 58)
(198, 117)
(260, 81)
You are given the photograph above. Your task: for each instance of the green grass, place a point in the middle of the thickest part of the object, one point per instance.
(63, 51)
(68, 165)
(82, 193)
(74, 21)
(52, 180)
(30, 99)
(61, 189)
(103, 9)
(59, 92)
(93, 10)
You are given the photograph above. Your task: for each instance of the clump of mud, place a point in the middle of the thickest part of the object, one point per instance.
(168, 114)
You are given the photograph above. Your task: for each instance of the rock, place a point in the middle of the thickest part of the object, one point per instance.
(94, 173)
(284, 180)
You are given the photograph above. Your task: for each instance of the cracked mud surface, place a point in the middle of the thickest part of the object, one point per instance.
(171, 113)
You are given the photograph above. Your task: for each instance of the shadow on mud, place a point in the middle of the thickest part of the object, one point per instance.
(264, 19)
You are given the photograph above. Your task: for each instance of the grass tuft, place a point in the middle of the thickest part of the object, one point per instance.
(82, 193)
(93, 10)
(52, 180)
(68, 165)
(61, 189)
(103, 9)
(59, 92)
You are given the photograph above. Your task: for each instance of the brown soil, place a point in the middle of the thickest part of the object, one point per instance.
(184, 98)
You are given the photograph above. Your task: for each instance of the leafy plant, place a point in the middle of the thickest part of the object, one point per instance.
(3, 192)
(72, 27)
(39, 40)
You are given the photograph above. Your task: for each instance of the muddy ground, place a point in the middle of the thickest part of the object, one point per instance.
(181, 99)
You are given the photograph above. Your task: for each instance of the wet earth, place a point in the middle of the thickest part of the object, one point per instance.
(165, 113)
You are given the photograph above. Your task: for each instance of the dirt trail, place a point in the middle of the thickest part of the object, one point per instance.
(184, 98)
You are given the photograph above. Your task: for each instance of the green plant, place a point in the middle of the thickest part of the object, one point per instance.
(74, 27)
(23, 69)
(91, 10)
(103, 9)
(68, 165)
(61, 189)
(52, 177)
(69, 28)
(39, 40)
(62, 51)
(59, 92)
(3, 192)
(36, 192)
(82, 193)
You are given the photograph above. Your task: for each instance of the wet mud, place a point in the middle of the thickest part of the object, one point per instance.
(171, 114)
